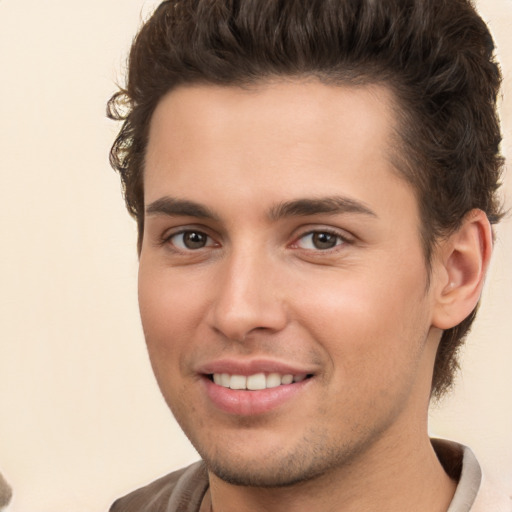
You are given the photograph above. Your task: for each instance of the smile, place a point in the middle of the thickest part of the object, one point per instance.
(255, 382)
(257, 393)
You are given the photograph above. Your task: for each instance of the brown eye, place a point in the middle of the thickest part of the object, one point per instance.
(320, 241)
(324, 240)
(190, 240)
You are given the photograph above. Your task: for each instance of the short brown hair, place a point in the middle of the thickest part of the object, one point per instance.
(437, 56)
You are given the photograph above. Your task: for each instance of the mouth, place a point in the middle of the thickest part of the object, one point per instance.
(257, 381)
(255, 394)
(259, 386)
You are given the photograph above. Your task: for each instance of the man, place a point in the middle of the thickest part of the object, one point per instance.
(314, 185)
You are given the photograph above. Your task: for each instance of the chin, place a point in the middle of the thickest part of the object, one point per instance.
(282, 474)
(306, 462)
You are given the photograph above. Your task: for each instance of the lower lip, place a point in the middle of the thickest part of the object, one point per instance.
(247, 403)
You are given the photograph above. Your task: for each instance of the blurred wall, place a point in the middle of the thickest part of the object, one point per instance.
(81, 419)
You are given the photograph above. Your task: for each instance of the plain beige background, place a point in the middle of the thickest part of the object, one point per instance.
(81, 419)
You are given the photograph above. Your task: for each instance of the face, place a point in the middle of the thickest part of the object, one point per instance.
(282, 282)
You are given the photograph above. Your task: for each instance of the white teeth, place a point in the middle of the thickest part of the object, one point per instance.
(238, 382)
(257, 381)
(286, 379)
(273, 380)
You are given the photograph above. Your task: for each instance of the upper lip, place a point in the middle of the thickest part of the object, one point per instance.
(251, 367)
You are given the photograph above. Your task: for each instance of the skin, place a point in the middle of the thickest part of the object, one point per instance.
(357, 316)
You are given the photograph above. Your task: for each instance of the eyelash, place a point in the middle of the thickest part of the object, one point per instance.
(340, 240)
(167, 239)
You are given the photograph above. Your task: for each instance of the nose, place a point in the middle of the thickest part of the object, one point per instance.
(249, 297)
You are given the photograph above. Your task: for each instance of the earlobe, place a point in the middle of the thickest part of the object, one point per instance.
(464, 258)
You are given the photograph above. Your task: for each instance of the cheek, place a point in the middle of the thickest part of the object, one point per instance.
(168, 301)
(367, 325)
(169, 311)
(373, 346)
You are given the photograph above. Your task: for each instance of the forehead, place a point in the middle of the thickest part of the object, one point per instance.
(298, 112)
(283, 140)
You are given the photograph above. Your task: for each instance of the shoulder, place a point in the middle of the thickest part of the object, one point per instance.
(492, 496)
(475, 492)
(181, 490)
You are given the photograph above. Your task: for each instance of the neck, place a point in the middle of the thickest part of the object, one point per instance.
(387, 478)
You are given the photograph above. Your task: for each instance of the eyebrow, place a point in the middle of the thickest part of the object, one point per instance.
(332, 205)
(175, 207)
(327, 205)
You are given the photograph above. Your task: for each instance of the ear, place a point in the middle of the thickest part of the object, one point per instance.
(462, 261)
